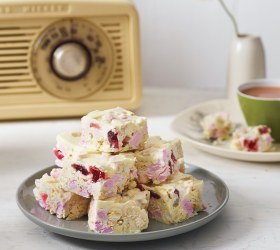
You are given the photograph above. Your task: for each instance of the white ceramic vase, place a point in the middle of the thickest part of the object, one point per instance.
(246, 62)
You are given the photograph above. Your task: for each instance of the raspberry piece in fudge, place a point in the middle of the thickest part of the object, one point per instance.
(100, 175)
(68, 144)
(80, 168)
(52, 197)
(176, 200)
(97, 174)
(58, 153)
(126, 213)
(252, 139)
(113, 130)
(159, 160)
(113, 139)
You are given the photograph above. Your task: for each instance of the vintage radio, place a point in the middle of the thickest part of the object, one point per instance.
(61, 58)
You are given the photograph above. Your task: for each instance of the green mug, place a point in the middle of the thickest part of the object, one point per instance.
(261, 110)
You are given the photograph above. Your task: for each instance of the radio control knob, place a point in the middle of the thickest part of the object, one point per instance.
(71, 61)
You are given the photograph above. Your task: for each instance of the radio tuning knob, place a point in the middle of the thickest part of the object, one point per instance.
(71, 61)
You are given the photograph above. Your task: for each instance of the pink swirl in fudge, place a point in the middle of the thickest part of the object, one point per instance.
(157, 173)
(101, 222)
(159, 160)
(187, 205)
(135, 140)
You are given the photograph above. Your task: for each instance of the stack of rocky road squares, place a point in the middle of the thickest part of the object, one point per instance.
(120, 177)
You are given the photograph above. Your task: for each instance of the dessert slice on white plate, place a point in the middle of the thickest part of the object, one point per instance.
(216, 126)
(252, 139)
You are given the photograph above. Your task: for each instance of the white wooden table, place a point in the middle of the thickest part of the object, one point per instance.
(251, 219)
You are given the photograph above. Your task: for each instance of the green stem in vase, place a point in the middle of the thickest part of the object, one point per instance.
(231, 18)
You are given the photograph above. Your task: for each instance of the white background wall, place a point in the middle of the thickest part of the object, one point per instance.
(185, 43)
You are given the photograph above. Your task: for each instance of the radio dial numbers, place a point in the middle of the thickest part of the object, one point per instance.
(72, 59)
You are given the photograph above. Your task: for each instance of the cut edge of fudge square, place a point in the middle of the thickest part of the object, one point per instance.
(52, 197)
(99, 175)
(126, 213)
(175, 200)
(159, 160)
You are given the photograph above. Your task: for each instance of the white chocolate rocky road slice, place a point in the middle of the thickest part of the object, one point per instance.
(124, 213)
(252, 139)
(175, 200)
(159, 160)
(217, 126)
(52, 197)
(100, 175)
(113, 130)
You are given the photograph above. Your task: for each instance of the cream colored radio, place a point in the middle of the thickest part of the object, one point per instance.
(61, 58)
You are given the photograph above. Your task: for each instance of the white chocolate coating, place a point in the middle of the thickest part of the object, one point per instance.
(113, 130)
(69, 145)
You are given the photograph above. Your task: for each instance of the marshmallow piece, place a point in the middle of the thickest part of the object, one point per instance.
(159, 160)
(113, 130)
(101, 175)
(52, 197)
(124, 213)
(216, 126)
(175, 200)
(252, 139)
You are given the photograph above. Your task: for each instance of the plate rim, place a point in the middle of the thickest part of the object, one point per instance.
(237, 155)
(126, 237)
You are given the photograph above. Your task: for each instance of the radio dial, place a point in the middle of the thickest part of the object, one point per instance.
(70, 61)
(72, 58)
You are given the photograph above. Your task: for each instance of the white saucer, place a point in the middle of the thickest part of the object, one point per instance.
(187, 125)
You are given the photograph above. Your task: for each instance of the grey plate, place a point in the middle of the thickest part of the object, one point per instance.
(215, 196)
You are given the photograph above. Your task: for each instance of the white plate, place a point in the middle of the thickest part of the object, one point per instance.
(187, 125)
(215, 196)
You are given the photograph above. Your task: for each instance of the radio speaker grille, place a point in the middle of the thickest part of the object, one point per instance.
(16, 76)
(115, 32)
(15, 72)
